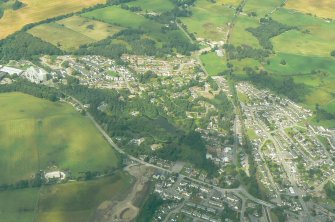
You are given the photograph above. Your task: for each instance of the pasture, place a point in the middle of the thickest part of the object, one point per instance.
(209, 20)
(157, 6)
(38, 10)
(313, 37)
(60, 36)
(36, 134)
(320, 8)
(91, 28)
(117, 16)
(70, 202)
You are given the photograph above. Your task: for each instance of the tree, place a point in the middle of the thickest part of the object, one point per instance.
(332, 53)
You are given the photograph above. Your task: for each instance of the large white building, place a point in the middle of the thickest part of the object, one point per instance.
(11, 71)
(36, 75)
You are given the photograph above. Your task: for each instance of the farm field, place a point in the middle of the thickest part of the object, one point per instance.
(91, 28)
(38, 10)
(157, 6)
(37, 134)
(73, 201)
(209, 20)
(314, 36)
(117, 16)
(60, 36)
(320, 8)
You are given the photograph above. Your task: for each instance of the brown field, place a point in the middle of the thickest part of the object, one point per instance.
(320, 8)
(38, 10)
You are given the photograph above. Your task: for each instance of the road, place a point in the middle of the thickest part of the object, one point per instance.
(240, 192)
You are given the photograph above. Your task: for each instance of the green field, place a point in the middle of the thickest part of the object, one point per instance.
(60, 36)
(117, 16)
(213, 64)
(91, 28)
(313, 37)
(70, 202)
(158, 6)
(209, 20)
(36, 134)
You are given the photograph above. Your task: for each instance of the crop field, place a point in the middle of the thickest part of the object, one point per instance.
(38, 10)
(320, 8)
(36, 134)
(73, 201)
(153, 6)
(91, 28)
(60, 36)
(209, 20)
(213, 64)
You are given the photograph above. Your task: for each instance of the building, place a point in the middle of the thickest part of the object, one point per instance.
(36, 75)
(11, 71)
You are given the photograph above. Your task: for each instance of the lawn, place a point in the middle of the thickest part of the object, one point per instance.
(209, 20)
(262, 7)
(38, 10)
(70, 202)
(36, 134)
(60, 36)
(91, 28)
(213, 63)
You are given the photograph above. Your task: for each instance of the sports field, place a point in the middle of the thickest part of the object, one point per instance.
(36, 134)
(70, 202)
(38, 10)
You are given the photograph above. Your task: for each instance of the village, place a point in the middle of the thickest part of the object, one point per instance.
(293, 159)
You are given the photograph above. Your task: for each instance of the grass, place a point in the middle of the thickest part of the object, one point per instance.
(262, 7)
(158, 6)
(35, 11)
(300, 64)
(78, 201)
(318, 40)
(75, 201)
(91, 28)
(209, 20)
(240, 36)
(60, 36)
(36, 134)
(117, 16)
(18, 205)
(213, 63)
(320, 8)
(251, 134)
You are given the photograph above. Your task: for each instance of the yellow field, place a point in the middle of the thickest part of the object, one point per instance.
(37, 10)
(320, 8)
